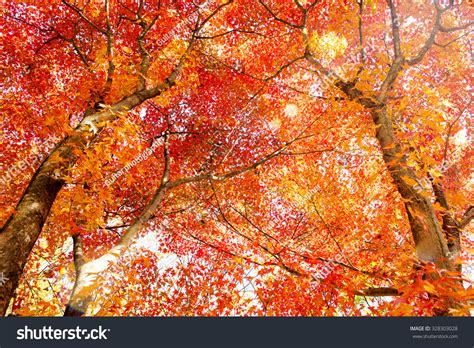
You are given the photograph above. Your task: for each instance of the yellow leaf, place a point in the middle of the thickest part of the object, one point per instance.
(409, 180)
(430, 288)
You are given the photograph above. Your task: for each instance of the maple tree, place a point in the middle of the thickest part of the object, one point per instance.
(242, 157)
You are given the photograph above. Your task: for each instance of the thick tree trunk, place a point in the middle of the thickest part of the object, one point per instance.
(428, 236)
(427, 233)
(433, 242)
(430, 242)
(19, 235)
(88, 279)
(21, 231)
(451, 226)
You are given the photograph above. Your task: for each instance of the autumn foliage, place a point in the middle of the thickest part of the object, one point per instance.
(247, 157)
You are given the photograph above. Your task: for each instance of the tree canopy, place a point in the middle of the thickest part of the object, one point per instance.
(236, 157)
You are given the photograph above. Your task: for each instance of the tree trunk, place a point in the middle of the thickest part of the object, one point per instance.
(21, 231)
(428, 236)
(431, 239)
(430, 243)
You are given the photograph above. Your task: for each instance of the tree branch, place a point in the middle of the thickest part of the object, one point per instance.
(376, 292)
(278, 18)
(448, 136)
(361, 39)
(453, 29)
(150, 208)
(446, 44)
(78, 251)
(367, 99)
(81, 14)
(395, 20)
(232, 173)
(467, 217)
(110, 53)
(221, 6)
(437, 27)
(145, 63)
(58, 36)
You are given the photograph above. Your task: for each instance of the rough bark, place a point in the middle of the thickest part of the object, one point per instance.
(451, 226)
(434, 242)
(427, 234)
(21, 231)
(430, 243)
